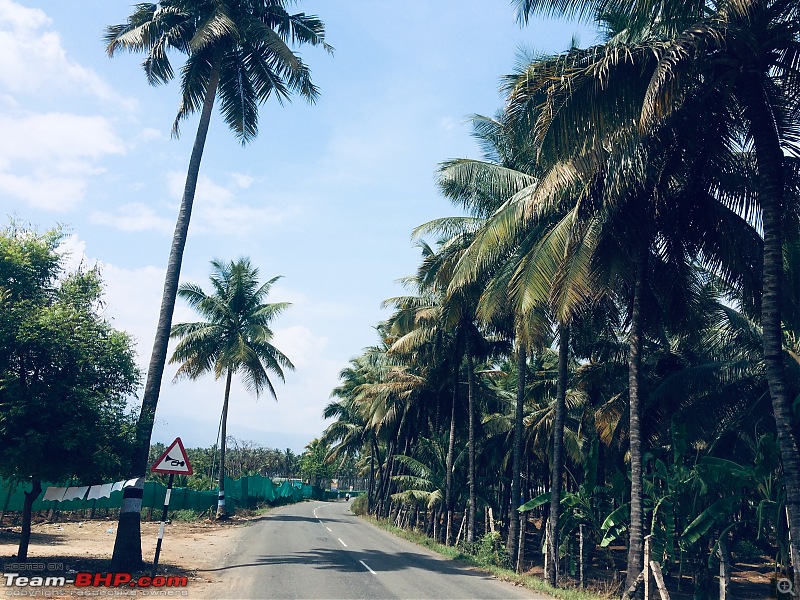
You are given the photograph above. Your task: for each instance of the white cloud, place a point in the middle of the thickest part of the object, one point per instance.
(57, 136)
(21, 18)
(148, 134)
(46, 159)
(448, 123)
(32, 58)
(206, 190)
(73, 253)
(241, 180)
(42, 190)
(300, 345)
(216, 208)
(9, 102)
(133, 299)
(134, 216)
(313, 308)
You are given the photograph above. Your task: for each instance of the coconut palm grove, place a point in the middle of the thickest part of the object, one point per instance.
(593, 374)
(602, 344)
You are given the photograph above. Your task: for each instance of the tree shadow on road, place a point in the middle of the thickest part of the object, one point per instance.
(351, 561)
(297, 518)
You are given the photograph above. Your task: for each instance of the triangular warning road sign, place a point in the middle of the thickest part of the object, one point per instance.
(174, 460)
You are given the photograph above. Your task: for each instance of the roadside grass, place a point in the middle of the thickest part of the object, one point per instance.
(528, 581)
(186, 515)
(239, 513)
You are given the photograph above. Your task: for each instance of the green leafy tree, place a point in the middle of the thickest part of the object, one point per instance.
(65, 373)
(288, 463)
(234, 338)
(314, 463)
(237, 51)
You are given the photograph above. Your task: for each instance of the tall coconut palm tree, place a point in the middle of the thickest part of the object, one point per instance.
(745, 55)
(352, 432)
(498, 251)
(420, 336)
(241, 52)
(235, 337)
(508, 166)
(445, 328)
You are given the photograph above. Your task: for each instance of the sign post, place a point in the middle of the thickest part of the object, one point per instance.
(173, 461)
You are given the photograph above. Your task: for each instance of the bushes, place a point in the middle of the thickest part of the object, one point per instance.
(359, 505)
(186, 515)
(491, 551)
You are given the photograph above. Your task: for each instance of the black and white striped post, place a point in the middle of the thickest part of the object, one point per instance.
(163, 522)
(177, 463)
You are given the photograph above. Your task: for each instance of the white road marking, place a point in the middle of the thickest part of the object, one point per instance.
(329, 529)
(343, 544)
(366, 566)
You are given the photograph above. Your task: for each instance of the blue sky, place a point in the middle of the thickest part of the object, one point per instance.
(326, 196)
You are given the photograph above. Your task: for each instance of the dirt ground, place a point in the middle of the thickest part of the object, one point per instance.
(193, 550)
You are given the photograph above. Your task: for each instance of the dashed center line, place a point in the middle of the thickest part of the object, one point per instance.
(366, 566)
(341, 542)
(329, 529)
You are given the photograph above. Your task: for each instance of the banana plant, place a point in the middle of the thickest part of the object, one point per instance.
(702, 502)
(585, 507)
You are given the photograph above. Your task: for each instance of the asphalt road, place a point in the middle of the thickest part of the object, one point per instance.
(321, 550)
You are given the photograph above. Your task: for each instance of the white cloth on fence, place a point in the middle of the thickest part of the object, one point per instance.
(103, 490)
(55, 493)
(100, 491)
(76, 493)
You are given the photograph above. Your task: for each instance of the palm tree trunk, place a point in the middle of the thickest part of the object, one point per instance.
(221, 509)
(451, 446)
(471, 417)
(636, 535)
(371, 492)
(383, 492)
(27, 506)
(558, 450)
(127, 545)
(387, 493)
(769, 159)
(513, 515)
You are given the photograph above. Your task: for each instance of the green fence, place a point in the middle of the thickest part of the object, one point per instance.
(245, 492)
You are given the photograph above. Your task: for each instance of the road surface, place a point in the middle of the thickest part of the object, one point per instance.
(321, 550)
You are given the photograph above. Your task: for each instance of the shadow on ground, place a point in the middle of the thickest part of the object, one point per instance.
(378, 561)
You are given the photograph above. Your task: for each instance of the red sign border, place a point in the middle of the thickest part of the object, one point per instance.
(179, 443)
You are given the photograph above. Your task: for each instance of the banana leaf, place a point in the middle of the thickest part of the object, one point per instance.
(615, 524)
(535, 502)
(716, 513)
(726, 473)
